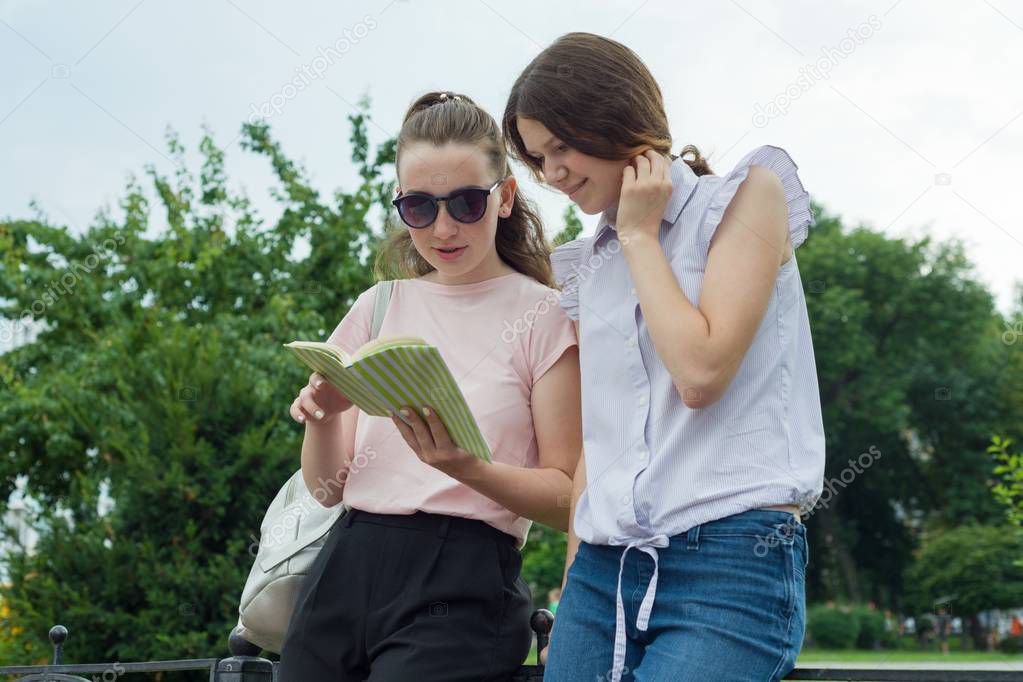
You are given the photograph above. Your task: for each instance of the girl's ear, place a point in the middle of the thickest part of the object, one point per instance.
(507, 196)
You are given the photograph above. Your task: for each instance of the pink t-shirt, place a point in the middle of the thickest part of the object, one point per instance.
(498, 336)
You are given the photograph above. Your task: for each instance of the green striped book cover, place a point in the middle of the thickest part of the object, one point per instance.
(389, 373)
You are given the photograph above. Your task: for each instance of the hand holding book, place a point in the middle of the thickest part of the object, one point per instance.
(319, 401)
(388, 374)
(430, 440)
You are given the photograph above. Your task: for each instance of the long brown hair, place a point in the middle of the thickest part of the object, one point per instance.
(445, 117)
(596, 96)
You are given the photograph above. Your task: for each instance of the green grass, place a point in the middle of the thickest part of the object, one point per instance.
(814, 655)
(902, 656)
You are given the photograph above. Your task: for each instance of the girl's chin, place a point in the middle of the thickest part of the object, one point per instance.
(588, 209)
(455, 267)
(591, 205)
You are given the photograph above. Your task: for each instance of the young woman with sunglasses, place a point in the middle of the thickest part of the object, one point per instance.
(701, 411)
(420, 580)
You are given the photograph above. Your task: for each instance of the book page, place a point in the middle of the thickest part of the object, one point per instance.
(416, 375)
(387, 374)
(335, 366)
(378, 345)
(330, 348)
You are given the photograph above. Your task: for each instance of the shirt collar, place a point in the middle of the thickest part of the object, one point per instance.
(683, 182)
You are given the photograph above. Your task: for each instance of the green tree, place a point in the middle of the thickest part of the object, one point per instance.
(910, 363)
(573, 226)
(543, 561)
(1009, 488)
(1008, 484)
(970, 569)
(157, 374)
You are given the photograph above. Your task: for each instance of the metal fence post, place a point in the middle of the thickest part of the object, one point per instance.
(244, 665)
(542, 623)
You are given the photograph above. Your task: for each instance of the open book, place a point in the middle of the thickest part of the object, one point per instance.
(387, 374)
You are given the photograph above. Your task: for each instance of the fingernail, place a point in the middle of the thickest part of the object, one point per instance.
(319, 383)
(426, 411)
(319, 414)
(404, 412)
(301, 417)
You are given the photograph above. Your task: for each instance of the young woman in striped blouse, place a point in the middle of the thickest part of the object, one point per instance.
(702, 429)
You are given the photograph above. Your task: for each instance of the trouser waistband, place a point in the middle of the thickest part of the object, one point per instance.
(443, 524)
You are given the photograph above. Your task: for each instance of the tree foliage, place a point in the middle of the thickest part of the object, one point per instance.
(968, 570)
(1009, 488)
(911, 362)
(157, 374)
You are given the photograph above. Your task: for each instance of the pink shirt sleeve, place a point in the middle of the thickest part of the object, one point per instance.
(354, 329)
(551, 335)
(352, 332)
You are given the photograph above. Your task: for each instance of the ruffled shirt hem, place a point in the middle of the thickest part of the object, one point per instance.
(564, 263)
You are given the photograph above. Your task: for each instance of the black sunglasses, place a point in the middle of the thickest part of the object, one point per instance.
(466, 205)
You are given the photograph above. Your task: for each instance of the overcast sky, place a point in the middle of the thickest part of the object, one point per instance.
(906, 115)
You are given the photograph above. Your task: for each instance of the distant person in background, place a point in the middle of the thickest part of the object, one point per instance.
(944, 626)
(992, 636)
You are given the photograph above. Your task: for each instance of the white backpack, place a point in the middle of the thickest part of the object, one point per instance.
(293, 531)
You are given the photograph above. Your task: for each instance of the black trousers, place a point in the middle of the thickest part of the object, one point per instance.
(423, 597)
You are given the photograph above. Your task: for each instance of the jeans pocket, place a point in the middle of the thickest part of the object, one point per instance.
(743, 580)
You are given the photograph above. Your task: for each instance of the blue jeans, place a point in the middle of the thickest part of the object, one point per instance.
(730, 605)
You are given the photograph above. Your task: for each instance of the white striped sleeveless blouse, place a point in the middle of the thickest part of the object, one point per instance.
(655, 467)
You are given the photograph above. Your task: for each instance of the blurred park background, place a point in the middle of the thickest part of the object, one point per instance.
(181, 194)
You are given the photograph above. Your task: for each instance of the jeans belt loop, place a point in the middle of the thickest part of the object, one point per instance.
(693, 538)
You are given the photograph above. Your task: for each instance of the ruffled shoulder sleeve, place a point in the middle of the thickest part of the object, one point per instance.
(565, 263)
(797, 198)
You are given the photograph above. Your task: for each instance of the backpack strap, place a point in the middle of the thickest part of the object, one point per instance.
(383, 297)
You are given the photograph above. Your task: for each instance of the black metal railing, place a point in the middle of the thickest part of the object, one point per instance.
(245, 665)
(58, 671)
